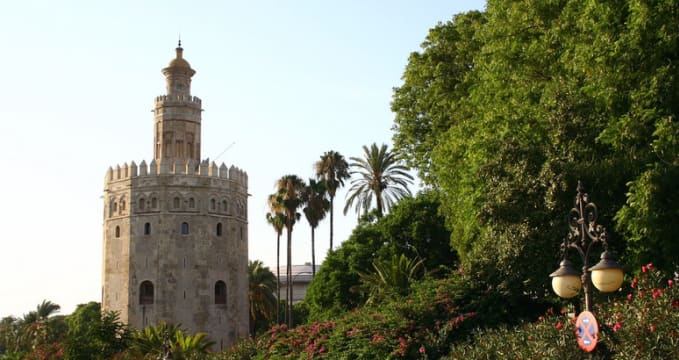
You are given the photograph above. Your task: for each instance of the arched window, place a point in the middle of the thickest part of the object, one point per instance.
(142, 203)
(115, 206)
(122, 205)
(147, 229)
(213, 204)
(146, 293)
(185, 228)
(176, 203)
(220, 292)
(219, 229)
(225, 207)
(192, 203)
(154, 203)
(117, 231)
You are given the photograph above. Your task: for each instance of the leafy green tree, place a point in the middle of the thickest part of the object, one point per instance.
(332, 169)
(412, 228)
(382, 176)
(276, 218)
(317, 205)
(290, 189)
(332, 290)
(427, 103)
(504, 111)
(263, 303)
(95, 335)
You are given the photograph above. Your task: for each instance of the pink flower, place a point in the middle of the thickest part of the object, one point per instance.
(633, 285)
(617, 326)
(670, 283)
(643, 269)
(649, 266)
(652, 328)
(656, 293)
(422, 349)
(559, 325)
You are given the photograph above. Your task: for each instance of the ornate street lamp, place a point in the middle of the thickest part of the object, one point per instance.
(606, 275)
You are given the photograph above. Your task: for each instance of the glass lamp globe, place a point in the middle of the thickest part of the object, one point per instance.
(607, 275)
(566, 280)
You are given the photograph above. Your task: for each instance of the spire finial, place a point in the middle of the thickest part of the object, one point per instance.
(179, 43)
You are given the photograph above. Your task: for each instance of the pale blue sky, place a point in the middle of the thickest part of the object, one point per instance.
(283, 80)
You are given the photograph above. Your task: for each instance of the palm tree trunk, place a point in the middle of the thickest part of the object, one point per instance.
(379, 203)
(278, 279)
(332, 207)
(313, 254)
(289, 278)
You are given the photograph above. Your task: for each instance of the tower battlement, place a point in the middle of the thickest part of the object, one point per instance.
(169, 100)
(191, 167)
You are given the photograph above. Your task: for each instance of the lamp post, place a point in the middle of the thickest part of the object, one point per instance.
(606, 275)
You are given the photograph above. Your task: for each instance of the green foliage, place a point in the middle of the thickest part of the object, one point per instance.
(151, 341)
(93, 334)
(413, 228)
(391, 277)
(37, 333)
(262, 284)
(503, 111)
(330, 292)
(649, 218)
(426, 104)
(422, 324)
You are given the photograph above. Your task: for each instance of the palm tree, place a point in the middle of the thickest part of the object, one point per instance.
(392, 276)
(10, 334)
(153, 340)
(382, 175)
(36, 323)
(277, 219)
(260, 294)
(289, 194)
(332, 170)
(316, 207)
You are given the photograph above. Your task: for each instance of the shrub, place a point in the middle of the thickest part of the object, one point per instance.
(639, 322)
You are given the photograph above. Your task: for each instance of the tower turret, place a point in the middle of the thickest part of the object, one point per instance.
(177, 114)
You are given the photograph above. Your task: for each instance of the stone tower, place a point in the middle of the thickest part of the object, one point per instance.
(175, 229)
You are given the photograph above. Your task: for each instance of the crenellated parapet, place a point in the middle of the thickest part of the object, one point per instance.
(175, 100)
(189, 168)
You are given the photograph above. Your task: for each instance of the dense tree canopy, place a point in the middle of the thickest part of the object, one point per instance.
(413, 228)
(504, 111)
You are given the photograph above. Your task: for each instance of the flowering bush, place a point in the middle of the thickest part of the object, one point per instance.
(639, 322)
(419, 326)
(645, 322)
